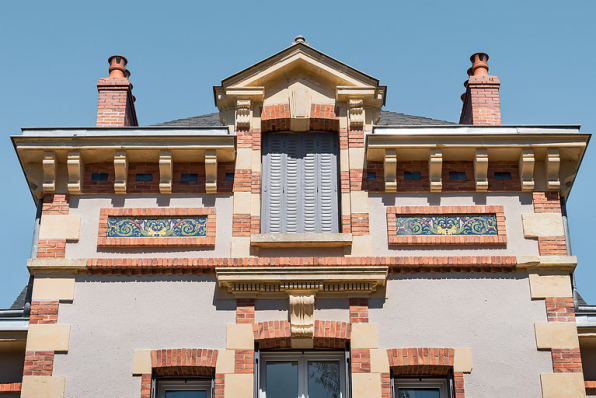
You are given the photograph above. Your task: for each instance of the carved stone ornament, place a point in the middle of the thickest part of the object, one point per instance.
(553, 164)
(526, 169)
(435, 170)
(481, 170)
(390, 168)
(120, 172)
(165, 172)
(356, 113)
(211, 171)
(49, 172)
(243, 114)
(302, 321)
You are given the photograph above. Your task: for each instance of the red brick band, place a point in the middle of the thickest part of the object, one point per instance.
(183, 362)
(327, 334)
(359, 310)
(10, 387)
(421, 361)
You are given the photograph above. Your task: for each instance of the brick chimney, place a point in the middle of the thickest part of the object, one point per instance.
(116, 105)
(481, 99)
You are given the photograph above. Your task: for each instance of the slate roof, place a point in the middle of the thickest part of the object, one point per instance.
(580, 300)
(387, 119)
(19, 302)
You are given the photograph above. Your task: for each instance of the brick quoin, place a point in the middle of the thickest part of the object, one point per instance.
(360, 360)
(567, 360)
(44, 312)
(359, 310)
(360, 224)
(243, 180)
(38, 363)
(245, 310)
(560, 309)
(55, 204)
(241, 225)
(244, 361)
(51, 248)
(546, 202)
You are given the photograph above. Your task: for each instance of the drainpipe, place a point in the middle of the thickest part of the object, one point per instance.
(568, 244)
(36, 226)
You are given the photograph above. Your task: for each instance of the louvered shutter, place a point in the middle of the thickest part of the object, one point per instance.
(300, 183)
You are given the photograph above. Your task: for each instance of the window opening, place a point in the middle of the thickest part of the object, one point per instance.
(144, 177)
(411, 175)
(97, 177)
(187, 388)
(189, 177)
(457, 175)
(229, 176)
(371, 176)
(420, 388)
(506, 175)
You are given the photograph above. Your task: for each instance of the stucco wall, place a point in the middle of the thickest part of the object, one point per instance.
(514, 205)
(11, 365)
(88, 208)
(112, 316)
(490, 313)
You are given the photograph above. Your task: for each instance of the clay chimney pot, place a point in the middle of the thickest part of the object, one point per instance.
(479, 64)
(117, 66)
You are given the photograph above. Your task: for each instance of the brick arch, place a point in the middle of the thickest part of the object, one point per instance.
(184, 362)
(277, 117)
(327, 334)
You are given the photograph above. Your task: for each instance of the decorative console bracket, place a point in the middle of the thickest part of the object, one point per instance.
(526, 169)
(211, 171)
(356, 113)
(75, 170)
(120, 172)
(243, 114)
(553, 163)
(390, 167)
(165, 172)
(302, 320)
(481, 170)
(435, 169)
(49, 172)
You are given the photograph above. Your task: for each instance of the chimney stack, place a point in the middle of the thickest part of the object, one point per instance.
(116, 106)
(481, 99)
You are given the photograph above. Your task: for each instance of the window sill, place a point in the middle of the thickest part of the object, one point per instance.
(301, 240)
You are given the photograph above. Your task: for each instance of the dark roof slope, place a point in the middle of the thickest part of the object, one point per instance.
(580, 300)
(19, 302)
(387, 119)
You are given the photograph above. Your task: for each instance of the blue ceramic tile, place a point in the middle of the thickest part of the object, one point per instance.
(120, 227)
(447, 225)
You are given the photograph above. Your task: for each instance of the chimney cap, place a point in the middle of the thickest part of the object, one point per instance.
(479, 64)
(118, 66)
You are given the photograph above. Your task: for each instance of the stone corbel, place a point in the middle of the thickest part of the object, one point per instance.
(390, 168)
(481, 170)
(435, 170)
(211, 171)
(120, 172)
(356, 113)
(553, 163)
(75, 170)
(165, 172)
(243, 114)
(300, 104)
(302, 322)
(49, 172)
(526, 169)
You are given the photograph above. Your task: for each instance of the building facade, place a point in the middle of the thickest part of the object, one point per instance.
(301, 242)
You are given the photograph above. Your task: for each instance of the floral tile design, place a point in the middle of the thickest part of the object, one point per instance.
(119, 227)
(447, 225)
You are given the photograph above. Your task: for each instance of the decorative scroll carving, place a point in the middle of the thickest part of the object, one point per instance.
(390, 168)
(553, 163)
(75, 170)
(211, 171)
(526, 169)
(49, 172)
(481, 170)
(302, 320)
(165, 172)
(356, 113)
(435, 169)
(243, 114)
(120, 172)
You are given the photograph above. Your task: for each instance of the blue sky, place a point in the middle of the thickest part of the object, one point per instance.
(53, 53)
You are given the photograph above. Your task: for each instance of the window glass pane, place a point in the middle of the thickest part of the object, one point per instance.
(186, 394)
(282, 379)
(323, 379)
(411, 175)
(457, 175)
(418, 393)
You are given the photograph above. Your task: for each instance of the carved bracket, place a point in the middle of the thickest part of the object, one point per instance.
(302, 320)
(435, 170)
(526, 169)
(165, 172)
(120, 172)
(481, 170)
(75, 170)
(243, 114)
(553, 164)
(211, 171)
(356, 113)
(300, 104)
(390, 167)
(49, 172)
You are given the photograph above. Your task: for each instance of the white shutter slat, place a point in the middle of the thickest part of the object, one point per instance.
(327, 191)
(292, 193)
(310, 183)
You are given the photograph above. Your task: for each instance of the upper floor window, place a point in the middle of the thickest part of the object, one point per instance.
(300, 193)
(420, 388)
(189, 388)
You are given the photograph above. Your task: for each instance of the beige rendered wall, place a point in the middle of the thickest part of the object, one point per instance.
(110, 317)
(514, 204)
(490, 313)
(88, 209)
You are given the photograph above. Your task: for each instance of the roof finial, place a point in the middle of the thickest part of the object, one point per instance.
(300, 39)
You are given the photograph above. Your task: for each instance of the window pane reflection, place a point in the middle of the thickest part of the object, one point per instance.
(186, 394)
(323, 379)
(282, 379)
(419, 393)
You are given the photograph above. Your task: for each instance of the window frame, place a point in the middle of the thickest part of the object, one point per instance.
(302, 357)
(165, 385)
(422, 383)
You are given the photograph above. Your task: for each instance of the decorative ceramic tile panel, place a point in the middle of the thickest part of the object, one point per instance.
(446, 225)
(157, 227)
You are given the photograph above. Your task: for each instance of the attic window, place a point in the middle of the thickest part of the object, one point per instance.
(229, 176)
(457, 175)
(99, 177)
(185, 177)
(411, 175)
(371, 176)
(144, 177)
(506, 175)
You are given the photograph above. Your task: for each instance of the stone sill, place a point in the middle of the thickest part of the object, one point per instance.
(301, 240)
